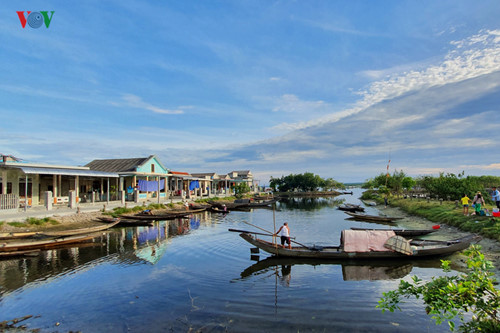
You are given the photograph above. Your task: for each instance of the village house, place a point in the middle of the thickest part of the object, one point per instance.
(25, 184)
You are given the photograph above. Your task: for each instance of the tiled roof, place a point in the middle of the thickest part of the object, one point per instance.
(179, 173)
(117, 165)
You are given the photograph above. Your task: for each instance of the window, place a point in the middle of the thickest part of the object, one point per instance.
(152, 168)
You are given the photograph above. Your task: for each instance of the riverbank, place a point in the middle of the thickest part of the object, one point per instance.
(490, 247)
(75, 220)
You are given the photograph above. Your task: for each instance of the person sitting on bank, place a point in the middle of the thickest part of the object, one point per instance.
(285, 235)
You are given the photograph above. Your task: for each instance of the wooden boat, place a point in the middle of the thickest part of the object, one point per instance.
(42, 244)
(404, 232)
(264, 203)
(218, 210)
(19, 253)
(345, 192)
(122, 222)
(351, 208)
(17, 235)
(160, 217)
(420, 249)
(376, 218)
(229, 205)
(89, 230)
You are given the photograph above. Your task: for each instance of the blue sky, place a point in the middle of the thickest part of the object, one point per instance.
(336, 88)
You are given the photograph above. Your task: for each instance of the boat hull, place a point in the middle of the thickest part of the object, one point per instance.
(372, 218)
(335, 252)
(43, 244)
(404, 232)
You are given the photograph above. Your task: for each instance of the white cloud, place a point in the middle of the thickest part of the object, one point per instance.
(473, 57)
(137, 102)
(291, 156)
(291, 103)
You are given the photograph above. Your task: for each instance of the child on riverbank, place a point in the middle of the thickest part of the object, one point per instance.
(465, 204)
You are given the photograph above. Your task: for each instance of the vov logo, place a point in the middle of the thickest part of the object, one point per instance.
(35, 19)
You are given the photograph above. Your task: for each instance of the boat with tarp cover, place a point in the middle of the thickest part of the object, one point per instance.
(367, 244)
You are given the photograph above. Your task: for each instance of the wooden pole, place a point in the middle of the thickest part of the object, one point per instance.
(274, 223)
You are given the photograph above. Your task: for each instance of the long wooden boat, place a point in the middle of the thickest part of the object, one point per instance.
(19, 253)
(229, 205)
(42, 244)
(165, 216)
(403, 232)
(122, 222)
(351, 208)
(17, 235)
(261, 203)
(420, 249)
(89, 230)
(214, 209)
(365, 217)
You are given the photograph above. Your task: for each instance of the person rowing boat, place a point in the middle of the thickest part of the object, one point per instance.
(285, 235)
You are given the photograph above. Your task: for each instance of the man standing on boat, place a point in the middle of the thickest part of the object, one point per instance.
(285, 235)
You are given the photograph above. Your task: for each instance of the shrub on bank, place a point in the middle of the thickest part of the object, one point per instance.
(448, 297)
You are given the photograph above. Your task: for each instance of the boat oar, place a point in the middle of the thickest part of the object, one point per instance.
(271, 234)
(252, 232)
(249, 232)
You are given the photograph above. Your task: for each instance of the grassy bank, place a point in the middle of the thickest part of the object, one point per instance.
(444, 212)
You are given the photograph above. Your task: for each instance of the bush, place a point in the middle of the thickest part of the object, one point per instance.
(35, 221)
(447, 297)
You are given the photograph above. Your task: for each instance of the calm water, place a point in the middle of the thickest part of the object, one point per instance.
(194, 275)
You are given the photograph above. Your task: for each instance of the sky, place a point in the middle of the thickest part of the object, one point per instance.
(336, 88)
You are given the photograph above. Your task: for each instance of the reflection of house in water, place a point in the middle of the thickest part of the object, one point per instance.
(132, 245)
(150, 243)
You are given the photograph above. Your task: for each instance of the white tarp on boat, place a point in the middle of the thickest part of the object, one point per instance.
(366, 240)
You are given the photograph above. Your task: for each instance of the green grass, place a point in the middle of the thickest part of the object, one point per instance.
(448, 213)
(35, 221)
(17, 224)
(216, 199)
(1, 223)
(122, 210)
(31, 221)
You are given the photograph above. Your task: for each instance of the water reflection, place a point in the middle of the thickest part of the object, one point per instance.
(351, 271)
(130, 245)
(308, 203)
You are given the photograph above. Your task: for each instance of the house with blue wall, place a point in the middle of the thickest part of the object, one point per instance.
(140, 178)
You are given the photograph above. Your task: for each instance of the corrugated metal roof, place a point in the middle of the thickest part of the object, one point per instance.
(67, 172)
(117, 165)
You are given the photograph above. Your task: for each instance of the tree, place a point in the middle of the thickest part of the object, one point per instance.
(305, 182)
(241, 189)
(408, 183)
(447, 297)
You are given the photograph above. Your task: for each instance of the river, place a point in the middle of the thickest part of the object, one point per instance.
(195, 275)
